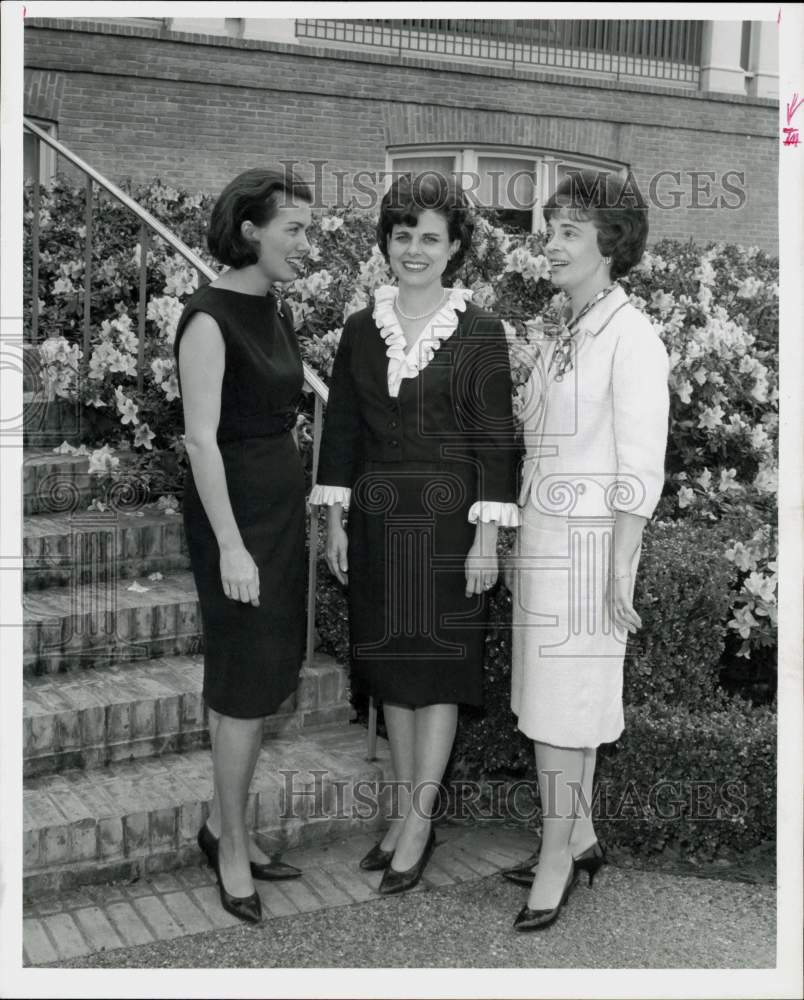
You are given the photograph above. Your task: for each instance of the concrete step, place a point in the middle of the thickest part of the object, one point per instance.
(54, 483)
(62, 549)
(141, 817)
(98, 623)
(49, 422)
(91, 718)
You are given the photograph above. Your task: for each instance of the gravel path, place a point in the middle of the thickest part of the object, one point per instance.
(630, 920)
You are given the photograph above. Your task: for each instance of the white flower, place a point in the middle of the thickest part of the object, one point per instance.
(521, 261)
(728, 480)
(686, 496)
(126, 407)
(170, 387)
(662, 301)
(63, 286)
(102, 461)
(684, 390)
(484, 295)
(331, 223)
(165, 311)
(749, 287)
(761, 586)
(711, 417)
(740, 556)
(161, 368)
(143, 437)
(743, 622)
(766, 480)
(705, 479)
(180, 279)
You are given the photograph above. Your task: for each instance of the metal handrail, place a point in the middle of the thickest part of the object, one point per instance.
(149, 222)
(311, 379)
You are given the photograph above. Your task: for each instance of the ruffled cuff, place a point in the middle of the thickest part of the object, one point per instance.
(325, 496)
(505, 514)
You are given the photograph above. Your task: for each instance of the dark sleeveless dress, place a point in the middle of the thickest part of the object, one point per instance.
(252, 656)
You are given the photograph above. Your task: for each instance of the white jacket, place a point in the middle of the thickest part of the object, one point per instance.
(596, 438)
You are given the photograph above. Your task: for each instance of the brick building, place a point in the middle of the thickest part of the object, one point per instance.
(690, 108)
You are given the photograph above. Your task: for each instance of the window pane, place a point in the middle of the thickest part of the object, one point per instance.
(420, 164)
(505, 183)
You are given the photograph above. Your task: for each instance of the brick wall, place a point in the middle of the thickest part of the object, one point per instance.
(194, 110)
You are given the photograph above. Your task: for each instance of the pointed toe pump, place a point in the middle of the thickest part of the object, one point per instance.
(271, 871)
(394, 881)
(536, 920)
(376, 860)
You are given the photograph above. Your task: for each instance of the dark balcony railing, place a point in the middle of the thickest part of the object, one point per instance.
(660, 50)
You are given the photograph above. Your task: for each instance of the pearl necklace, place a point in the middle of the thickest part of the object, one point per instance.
(424, 315)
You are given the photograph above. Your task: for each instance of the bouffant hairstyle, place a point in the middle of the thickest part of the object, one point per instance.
(255, 195)
(411, 195)
(614, 205)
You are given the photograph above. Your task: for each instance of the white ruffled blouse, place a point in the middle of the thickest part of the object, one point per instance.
(404, 362)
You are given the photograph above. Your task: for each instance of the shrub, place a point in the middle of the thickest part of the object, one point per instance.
(722, 764)
(683, 594)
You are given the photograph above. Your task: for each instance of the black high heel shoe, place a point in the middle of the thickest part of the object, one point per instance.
(535, 920)
(394, 881)
(248, 908)
(273, 871)
(590, 861)
(376, 860)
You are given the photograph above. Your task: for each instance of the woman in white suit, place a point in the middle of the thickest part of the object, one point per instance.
(595, 432)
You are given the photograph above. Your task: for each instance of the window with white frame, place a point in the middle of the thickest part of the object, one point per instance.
(47, 156)
(515, 182)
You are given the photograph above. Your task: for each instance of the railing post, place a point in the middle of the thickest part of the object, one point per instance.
(371, 751)
(312, 545)
(143, 305)
(87, 267)
(35, 247)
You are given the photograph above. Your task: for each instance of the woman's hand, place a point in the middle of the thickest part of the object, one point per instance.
(240, 576)
(625, 617)
(336, 551)
(482, 568)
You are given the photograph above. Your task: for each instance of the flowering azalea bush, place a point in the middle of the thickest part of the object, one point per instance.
(716, 311)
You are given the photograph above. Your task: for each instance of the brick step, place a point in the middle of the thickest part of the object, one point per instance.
(140, 817)
(61, 549)
(55, 483)
(99, 623)
(149, 708)
(49, 422)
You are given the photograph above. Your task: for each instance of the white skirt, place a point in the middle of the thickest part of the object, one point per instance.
(567, 656)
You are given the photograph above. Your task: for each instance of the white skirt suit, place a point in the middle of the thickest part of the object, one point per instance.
(595, 441)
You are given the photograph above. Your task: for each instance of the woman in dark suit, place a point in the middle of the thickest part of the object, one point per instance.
(418, 447)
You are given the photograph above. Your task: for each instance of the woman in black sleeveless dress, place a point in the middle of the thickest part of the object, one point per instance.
(240, 375)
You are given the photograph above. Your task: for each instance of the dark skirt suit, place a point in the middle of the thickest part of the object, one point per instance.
(416, 469)
(252, 655)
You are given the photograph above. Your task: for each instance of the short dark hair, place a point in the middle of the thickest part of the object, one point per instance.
(255, 195)
(410, 195)
(615, 206)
